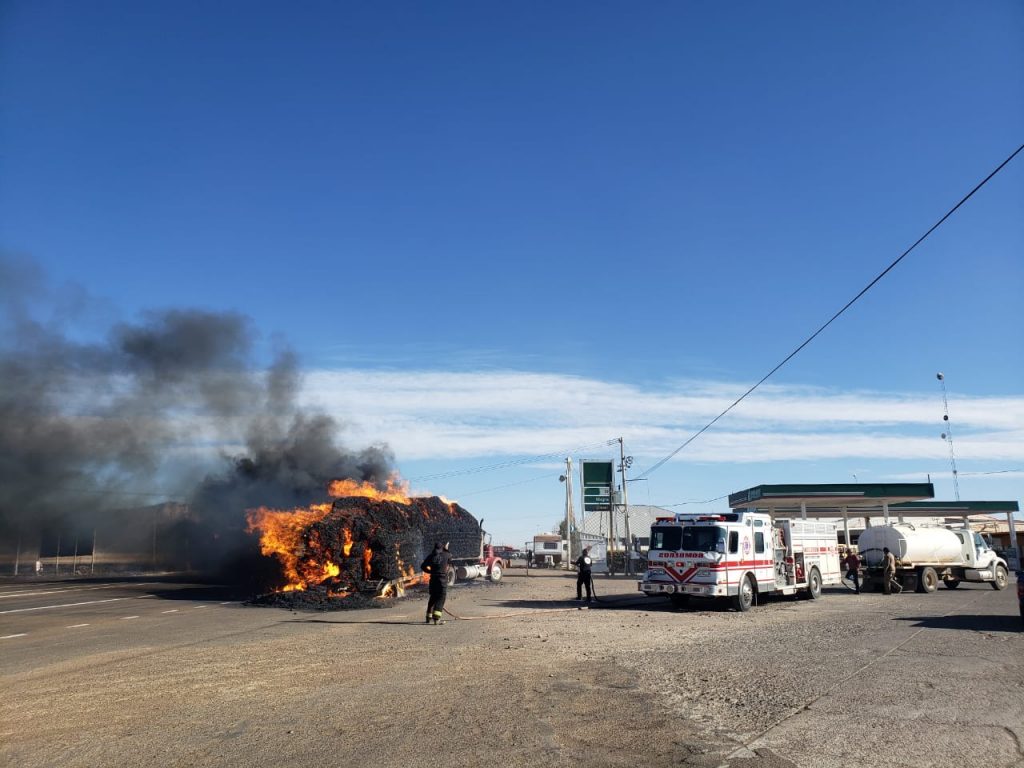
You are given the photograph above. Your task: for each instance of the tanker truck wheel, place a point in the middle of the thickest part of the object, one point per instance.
(952, 583)
(744, 596)
(927, 579)
(495, 574)
(1001, 579)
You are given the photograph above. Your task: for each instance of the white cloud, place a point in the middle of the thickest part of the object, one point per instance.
(440, 415)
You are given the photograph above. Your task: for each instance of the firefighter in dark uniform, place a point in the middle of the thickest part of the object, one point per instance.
(583, 575)
(437, 564)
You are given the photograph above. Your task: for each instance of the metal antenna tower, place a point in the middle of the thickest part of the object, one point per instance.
(948, 434)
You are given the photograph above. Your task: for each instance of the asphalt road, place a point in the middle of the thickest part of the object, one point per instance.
(155, 673)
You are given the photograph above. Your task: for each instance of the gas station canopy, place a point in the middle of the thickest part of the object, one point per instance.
(869, 500)
(830, 498)
(953, 508)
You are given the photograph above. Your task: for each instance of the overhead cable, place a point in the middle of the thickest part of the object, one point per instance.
(848, 304)
(512, 463)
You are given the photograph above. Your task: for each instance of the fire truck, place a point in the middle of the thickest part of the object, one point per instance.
(739, 556)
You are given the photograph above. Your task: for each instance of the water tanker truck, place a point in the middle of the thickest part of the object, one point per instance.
(929, 553)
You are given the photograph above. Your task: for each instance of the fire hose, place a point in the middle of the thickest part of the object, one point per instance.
(593, 591)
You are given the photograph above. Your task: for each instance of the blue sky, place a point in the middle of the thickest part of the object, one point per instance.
(493, 231)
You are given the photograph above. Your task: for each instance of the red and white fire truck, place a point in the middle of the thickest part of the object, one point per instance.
(739, 555)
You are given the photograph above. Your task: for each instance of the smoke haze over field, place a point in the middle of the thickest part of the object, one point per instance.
(172, 406)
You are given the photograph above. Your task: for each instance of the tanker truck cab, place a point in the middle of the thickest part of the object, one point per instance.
(981, 561)
(738, 556)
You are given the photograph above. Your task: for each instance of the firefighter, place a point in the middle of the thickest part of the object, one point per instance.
(437, 564)
(852, 563)
(583, 575)
(888, 571)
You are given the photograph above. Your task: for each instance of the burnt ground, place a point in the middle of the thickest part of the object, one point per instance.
(525, 678)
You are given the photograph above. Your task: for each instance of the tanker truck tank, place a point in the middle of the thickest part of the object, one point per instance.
(910, 543)
(929, 554)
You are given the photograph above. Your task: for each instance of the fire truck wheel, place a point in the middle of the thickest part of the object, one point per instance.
(1002, 578)
(495, 574)
(927, 580)
(952, 583)
(744, 596)
(814, 585)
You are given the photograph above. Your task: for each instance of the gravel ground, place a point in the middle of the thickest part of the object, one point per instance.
(527, 678)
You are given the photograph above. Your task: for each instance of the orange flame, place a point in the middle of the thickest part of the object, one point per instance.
(284, 535)
(395, 490)
(347, 546)
(367, 555)
(281, 536)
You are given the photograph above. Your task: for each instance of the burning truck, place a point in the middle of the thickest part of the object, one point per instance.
(368, 542)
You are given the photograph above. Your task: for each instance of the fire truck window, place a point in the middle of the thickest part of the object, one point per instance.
(759, 542)
(667, 538)
(703, 539)
(734, 542)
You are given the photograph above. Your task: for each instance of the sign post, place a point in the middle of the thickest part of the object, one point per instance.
(597, 479)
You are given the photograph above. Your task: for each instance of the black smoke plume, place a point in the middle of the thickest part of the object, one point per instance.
(100, 418)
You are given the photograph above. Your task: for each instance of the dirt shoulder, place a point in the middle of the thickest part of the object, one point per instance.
(528, 678)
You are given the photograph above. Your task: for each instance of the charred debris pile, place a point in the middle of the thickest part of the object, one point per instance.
(359, 551)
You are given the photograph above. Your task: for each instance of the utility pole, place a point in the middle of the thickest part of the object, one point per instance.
(948, 435)
(624, 462)
(568, 511)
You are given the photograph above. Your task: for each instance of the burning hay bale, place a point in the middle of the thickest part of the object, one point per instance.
(366, 542)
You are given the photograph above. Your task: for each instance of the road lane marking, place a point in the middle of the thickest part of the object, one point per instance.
(36, 593)
(173, 610)
(128, 617)
(76, 626)
(11, 637)
(201, 606)
(227, 602)
(62, 605)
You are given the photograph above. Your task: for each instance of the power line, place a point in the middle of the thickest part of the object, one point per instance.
(684, 503)
(509, 485)
(995, 472)
(848, 304)
(511, 463)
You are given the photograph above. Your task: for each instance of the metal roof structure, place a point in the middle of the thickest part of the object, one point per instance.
(867, 500)
(953, 508)
(830, 498)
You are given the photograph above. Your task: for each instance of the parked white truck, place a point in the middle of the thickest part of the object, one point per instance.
(738, 556)
(927, 553)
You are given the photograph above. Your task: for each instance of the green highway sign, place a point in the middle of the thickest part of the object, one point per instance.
(597, 485)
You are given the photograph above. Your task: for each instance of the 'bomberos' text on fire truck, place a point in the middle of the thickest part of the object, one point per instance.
(739, 555)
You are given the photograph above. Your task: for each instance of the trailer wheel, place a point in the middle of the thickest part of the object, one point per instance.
(952, 583)
(744, 595)
(1001, 579)
(495, 574)
(813, 585)
(927, 579)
